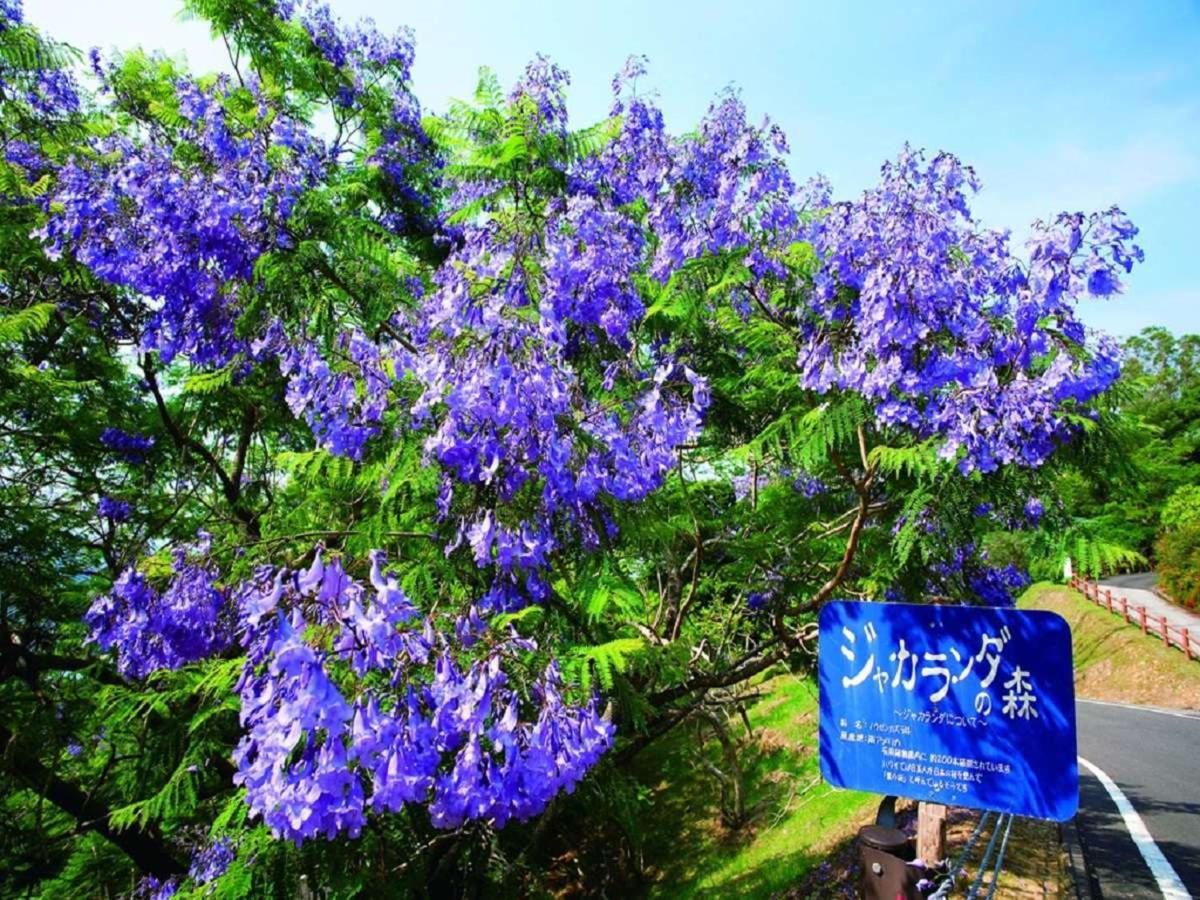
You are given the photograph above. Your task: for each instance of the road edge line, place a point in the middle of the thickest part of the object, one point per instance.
(1141, 707)
(1164, 873)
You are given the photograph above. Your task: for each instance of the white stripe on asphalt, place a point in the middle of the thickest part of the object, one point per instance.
(1179, 714)
(1164, 873)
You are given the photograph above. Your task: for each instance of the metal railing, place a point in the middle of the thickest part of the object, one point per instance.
(1178, 636)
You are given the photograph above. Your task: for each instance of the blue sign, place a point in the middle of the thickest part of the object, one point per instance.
(961, 705)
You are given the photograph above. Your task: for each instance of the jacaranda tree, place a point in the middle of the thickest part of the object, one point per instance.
(372, 478)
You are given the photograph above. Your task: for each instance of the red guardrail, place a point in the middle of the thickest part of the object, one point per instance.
(1172, 635)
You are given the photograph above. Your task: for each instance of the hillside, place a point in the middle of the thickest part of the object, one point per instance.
(1115, 661)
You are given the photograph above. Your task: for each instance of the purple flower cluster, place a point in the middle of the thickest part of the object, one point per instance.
(758, 601)
(544, 86)
(53, 93)
(130, 447)
(151, 630)
(965, 573)
(115, 510)
(329, 398)
(185, 233)
(211, 860)
(374, 72)
(33, 90)
(936, 321)
(154, 888)
(725, 188)
(503, 399)
(359, 49)
(1034, 510)
(314, 761)
(998, 587)
(11, 14)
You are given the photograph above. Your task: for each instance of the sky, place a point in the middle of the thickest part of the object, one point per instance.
(1058, 105)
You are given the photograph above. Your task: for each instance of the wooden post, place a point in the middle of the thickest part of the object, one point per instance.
(1187, 644)
(1142, 618)
(1108, 598)
(1125, 609)
(1166, 637)
(931, 832)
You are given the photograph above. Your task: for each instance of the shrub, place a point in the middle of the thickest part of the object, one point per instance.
(1178, 552)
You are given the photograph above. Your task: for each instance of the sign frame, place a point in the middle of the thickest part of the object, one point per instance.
(962, 705)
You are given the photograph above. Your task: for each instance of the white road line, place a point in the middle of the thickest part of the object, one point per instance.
(1164, 873)
(1179, 714)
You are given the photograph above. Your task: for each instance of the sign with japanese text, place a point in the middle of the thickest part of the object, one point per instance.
(971, 706)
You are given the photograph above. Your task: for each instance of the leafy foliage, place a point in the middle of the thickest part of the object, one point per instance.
(373, 475)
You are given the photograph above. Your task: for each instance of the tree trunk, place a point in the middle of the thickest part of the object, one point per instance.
(931, 832)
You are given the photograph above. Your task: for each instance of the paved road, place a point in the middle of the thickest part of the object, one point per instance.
(1137, 588)
(1154, 758)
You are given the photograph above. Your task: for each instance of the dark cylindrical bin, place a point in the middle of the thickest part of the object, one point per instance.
(889, 840)
(884, 853)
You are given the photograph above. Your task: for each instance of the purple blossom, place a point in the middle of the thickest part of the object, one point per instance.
(11, 14)
(150, 630)
(313, 760)
(184, 235)
(964, 573)
(906, 268)
(329, 399)
(116, 510)
(53, 93)
(211, 860)
(153, 888)
(130, 447)
(1034, 509)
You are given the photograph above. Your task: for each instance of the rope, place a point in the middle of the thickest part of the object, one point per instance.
(943, 890)
(986, 859)
(999, 861)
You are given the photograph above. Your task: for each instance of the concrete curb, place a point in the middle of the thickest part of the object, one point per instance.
(1083, 880)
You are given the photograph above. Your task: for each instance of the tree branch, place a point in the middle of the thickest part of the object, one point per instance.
(745, 668)
(147, 850)
(229, 487)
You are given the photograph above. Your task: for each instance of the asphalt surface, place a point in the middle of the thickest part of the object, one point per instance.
(1154, 757)
(1138, 589)
(1142, 581)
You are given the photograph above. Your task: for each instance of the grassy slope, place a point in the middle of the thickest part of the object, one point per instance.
(1115, 661)
(795, 817)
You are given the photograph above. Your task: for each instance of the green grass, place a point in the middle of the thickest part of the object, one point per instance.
(794, 816)
(1114, 660)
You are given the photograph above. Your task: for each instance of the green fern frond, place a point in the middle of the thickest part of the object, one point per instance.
(607, 661)
(26, 322)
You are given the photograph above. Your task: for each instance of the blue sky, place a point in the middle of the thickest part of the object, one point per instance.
(1058, 105)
